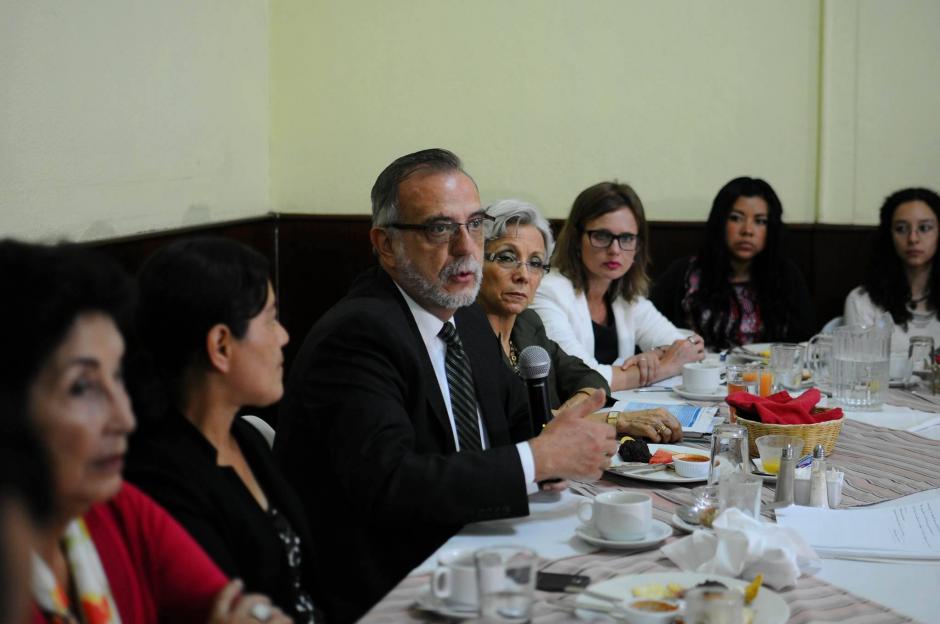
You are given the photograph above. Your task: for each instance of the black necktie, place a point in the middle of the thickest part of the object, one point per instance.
(463, 401)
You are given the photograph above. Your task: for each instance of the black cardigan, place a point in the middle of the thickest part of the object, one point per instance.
(177, 467)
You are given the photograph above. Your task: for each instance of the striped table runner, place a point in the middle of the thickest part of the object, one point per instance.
(880, 464)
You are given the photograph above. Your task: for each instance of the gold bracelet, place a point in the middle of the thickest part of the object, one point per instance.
(612, 418)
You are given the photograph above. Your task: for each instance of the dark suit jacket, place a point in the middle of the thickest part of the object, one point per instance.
(177, 467)
(567, 374)
(365, 438)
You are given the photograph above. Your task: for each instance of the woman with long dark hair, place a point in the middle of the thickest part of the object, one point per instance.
(595, 306)
(903, 276)
(207, 319)
(740, 288)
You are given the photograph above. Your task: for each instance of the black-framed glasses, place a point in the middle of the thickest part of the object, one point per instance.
(602, 239)
(446, 231)
(510, 262)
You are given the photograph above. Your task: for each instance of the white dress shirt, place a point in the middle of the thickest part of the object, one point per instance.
(429, 326)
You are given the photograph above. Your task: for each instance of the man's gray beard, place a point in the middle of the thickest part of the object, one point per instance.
(431, 294)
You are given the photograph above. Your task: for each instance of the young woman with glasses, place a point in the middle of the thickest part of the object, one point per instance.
(519, 243)
(903, 276)
(740, 288)
(595, 307)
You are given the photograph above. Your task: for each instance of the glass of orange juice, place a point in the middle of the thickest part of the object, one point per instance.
(741, 378)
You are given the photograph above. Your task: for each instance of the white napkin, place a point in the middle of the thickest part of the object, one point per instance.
(741, 546)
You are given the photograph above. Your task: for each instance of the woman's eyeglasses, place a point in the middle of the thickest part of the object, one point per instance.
(510, 262)
(602, 239)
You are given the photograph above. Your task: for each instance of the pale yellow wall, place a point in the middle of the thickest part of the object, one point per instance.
(545, 97)
(881, 104)
(120, 116)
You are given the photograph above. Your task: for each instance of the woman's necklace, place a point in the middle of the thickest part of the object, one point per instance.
(513, 356)
(923, 297)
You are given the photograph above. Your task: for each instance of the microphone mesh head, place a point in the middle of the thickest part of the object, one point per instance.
(534, 363)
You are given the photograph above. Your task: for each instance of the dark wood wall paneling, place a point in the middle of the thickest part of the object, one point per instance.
(315, 258)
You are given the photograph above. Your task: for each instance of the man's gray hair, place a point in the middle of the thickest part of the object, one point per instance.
(507, 212)
(385, 190)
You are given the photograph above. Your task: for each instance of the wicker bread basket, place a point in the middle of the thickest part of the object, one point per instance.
(825, 433)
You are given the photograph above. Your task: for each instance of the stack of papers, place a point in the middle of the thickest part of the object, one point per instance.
(902, 531)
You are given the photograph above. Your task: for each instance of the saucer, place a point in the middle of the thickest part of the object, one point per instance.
(718, 394)
(682, 525)
(657, 533)
(426, 601)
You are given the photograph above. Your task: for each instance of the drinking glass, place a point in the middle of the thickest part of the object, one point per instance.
(506, 583)
(713, 605)
(741, 378)
(729, 453)
(786, 362)
(740, 491)
(921, 352)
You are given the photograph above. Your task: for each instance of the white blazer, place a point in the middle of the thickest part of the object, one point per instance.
(567, 321)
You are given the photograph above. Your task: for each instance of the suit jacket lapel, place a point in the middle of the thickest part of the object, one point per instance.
(426, 369)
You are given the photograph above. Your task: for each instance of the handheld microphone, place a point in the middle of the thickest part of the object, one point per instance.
(534, 364)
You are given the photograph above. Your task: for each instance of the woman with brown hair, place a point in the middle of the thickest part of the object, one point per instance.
(595, 306)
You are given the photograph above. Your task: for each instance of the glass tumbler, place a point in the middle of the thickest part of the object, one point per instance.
(920, 351)
(786, 362)
(729, 452)
(741, 378)
(506, 583)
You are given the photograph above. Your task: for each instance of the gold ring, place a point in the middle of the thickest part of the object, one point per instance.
(661, 428)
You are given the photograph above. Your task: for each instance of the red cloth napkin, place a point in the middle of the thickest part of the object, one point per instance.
(782, 409)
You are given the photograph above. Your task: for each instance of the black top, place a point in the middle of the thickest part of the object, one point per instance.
(363, 430)
(606, 347)
(671, 287)
(177, 467)
(568, 374)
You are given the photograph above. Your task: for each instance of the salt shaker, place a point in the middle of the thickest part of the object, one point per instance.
(818, 491)
(783, 493)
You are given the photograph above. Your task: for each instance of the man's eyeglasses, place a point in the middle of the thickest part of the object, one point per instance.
(602, 239)
(510, 262)
(446, 231)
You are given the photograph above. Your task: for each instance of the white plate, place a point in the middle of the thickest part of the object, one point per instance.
(757, 347)
(717, 395)
(657, 533)
(769, 607)
(426, 601)
(662, 476)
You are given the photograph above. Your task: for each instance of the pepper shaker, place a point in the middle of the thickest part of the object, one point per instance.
(783, 493)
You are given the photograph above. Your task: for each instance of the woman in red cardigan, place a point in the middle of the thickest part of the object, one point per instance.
(109, 554)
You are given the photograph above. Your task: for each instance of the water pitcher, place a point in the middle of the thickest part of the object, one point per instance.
(860, 364)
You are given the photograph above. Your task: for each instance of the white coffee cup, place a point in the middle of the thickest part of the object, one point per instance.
(455, 579)
(701, 377)
(899, 366)
(618, 515)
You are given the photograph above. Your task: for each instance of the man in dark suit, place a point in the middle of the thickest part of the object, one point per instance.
(394, 432)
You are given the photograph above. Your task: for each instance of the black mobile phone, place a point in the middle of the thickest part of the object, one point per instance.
(551, 582)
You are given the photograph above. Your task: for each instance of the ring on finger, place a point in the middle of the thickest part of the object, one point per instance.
(261, 612)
